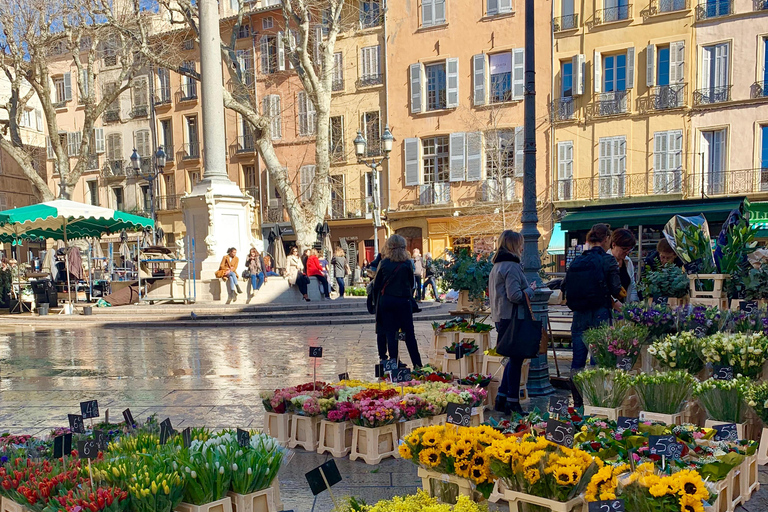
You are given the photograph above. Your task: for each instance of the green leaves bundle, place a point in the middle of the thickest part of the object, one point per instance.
(664, 393)
(603, 388)
(723, 399)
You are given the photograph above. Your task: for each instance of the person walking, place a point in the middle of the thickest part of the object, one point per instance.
(228, 272)
(314, 269)
(392, 292)
(429, 277)
(507, 290)
(622, 243)
(295, 272)
(340, 269)
(418, 273)
(590, 286)
(257, 269)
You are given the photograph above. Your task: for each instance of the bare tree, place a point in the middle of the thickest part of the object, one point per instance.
(35, 32)
(311, 28)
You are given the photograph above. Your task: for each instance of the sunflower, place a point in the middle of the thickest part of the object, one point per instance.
(405, 451)
(690, 504)
(462, 467)
(447, 447)
(563, 476)
(429, 438)
(532, 475)
(658, 490)
(479, 460)
(479, 474)
(430, 457)
(691, 484)
(460, 452)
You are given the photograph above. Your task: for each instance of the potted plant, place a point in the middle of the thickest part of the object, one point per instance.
(467, 273)
(666, 281)
(604, 390)
(663, 396)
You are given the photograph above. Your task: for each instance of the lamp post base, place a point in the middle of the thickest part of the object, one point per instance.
(538, 374)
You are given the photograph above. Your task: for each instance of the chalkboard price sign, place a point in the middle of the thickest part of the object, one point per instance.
(128, 417)
(625, 422)
(89, 409)
(720, 372)
(316, 352)
(243, 437)
(389, 365)
(665, 446)
(560, 433)
(459, 415)
(726, 432)
(401, 375)
(87, 449)
(607, 506)
(76, 423)
(625, 363)
(558, 405)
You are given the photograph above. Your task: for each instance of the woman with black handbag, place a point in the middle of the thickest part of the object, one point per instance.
(508, 290)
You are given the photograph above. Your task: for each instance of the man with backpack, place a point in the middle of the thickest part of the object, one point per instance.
(591, 283)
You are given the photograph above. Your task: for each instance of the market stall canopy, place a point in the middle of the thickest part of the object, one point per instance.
(758, 218)
(654, 214)
(63, 219)
(556, 241)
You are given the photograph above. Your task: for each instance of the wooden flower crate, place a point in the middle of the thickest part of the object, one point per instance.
(739, 426)
(734, 494)
(276, 493)
(478, 417)
(492, 366)
(669, 419)
(406, 427)
(716, 297)
(493, 390)
(222, 505)
(305, 432)
(481, 339)
(514, 497)
(8, 505)
(439, 419)
(749, 481)
(497, 493)
(722, 501)
(335, 438)
(444, 339)
(278, 426)
(259, 501)
(374, 444)
(433, 482)
(461, 368)
(604, 412)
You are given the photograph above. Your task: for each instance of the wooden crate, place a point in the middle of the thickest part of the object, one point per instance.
(406, 427)
(439, 419)
(335, 438)
(749, 480)
(278, 426)
(478, 417)
(762, 450)
(492, 366)
(493, 390)
(513, 498)
(739, 426)
(481, 339)
(305, 432)
(497, 493)
(669, 419)
(734, 495)
(259, 501)
(460, 368)
(722, 501)
(604, 412)
(8, 505)
(222, 505)
(717, 297)
(432, 481)
(374, 444)
(276, 492)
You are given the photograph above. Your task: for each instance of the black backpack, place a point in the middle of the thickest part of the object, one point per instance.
(585, 286)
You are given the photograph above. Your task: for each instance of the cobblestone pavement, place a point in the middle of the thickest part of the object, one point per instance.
(198, 377)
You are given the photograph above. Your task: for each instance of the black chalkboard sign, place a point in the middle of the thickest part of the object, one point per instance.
(128, 417)
(166, 430)
(720, 372)
(626, 422)
(607, 506)
(458, 414)
(62, 445)
(560, 433)
(316, 480)
(402, 375)
(665, 446)
(76, 423)
(748, 306)
(101, 439)
(243, 437)
(559, 405)
(625, 363)
(389, 365)
(186, 437)
(726, 432)
(315, 351)
(89, 409)
(87, 449)
(344, 376)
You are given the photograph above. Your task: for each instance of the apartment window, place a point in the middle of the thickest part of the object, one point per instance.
(337, 196)
(436, 86)
(662, 76)
(338, 72)
(713, 158)
(109, 51)
(166, 137)
(566, 79)
(73, 143)
(714, 8)
(246, 65)
(140, 93)
(307, 115)
(143, 144)
(715, 71)
(63, 87)
(272, 54)
(117, 198)
(764, 158)
(336, 139)
(565, 170)
(164, 86)
(615, 72)
(501, 77)
(435, 161)
(432, 12)
(671, 5)
(251, 179)
(372, 133)
(244, 31)
(267, 22)
(765, 59)
(612, 166)
(170, 190)
(145, 196)
(370, 13)
(307, 182)
(188, 84)
(615, 10)
(271, 109)
(369, 66)
(506, 74)
(667, 161)
(494, 7)
(194, 178)
(192, 145)
(93, 192)
(114, 147)
(500, 154)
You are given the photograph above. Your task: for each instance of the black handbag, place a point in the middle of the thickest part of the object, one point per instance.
(246, 274)
(522, 339)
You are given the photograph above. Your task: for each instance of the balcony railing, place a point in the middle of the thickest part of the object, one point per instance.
(163, 95)
(168, 150)
(114, 169)
(171, 202)
(273, 212)
(434, 193)
(622, 185)
(759, 89)
(500, 189)
(188, 92)
(351, 208)
(140, 111)
(712, 95)
(708, 9)
(611, 14)
(563, 109)
(664, 7)
(246, 143)
(727, 183)
(664, 97)
(370, 80)
(112, 116)
(337, 84)
(92, 163)
(191, 150)
(609, 104)
(371, 19)
(565, 23)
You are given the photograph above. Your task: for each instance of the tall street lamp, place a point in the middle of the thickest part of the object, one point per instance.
(387, 140)
(150, 173)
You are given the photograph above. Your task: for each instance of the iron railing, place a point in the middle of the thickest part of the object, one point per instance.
(609, 104)
(191, 150)
(337, 84)
(163, 95)
(760, 5)
(565, 23)
(664, 7)
(618, 186)
(187, 92)
(246, 143)
(759, 89)
(434, 193)
(92, 162)
(712, 95)
(351, 208)
(708, 9)
(611, 14)
(140, 111)
(727, 183)
(113, 169)
(168, 202)
(501, 189)
(273, 212)
(370, 80)
(371, 19)
(112, 116)
(563, 109)
(664, 97)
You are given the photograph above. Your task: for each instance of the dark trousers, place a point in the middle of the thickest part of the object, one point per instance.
(326, 287)
(583, 321)
(510, 381)
(429, 281)
(340, 282)
(381, 343)
(395, 314)
(302, 281)
(417, 289)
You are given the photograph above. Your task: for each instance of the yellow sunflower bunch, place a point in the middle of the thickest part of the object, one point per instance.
(567, 465)
(604, 482)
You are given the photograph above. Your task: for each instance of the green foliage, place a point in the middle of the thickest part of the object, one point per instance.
(693, 245)
(667, 281)
(749, 284)
(355, 291)
(465, 271)
(740, 241)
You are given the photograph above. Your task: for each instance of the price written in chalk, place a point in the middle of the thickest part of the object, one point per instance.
(558, 405)
(726, 432)
(560, 433)
(607, 506)
(459, 415)
(87, 449)
(316, 352)
(89, 409)
(626, 422)
(720, 372)
(666, 446)
(76, 424)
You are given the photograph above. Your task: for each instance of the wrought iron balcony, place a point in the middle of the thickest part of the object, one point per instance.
(163, 95)
(727, 183)
(168, 150)
(273, 212)
(191, 150)
(114, 169)
(759, 89)
(92, 163)
(664, 7)
(564, 109)
(246, 143)
(434, 193)
(712, 95)
(609, 104)
(370, 80)
(112, 116)
(612, 186)
(708, 9)
(760, 5)
(337, 84)
(562, 23)
(371, 19)
(668, 182)
(351, 208)
(664, 97)
(565, 189)
(140, 111)
(171, 202)
(611, 14)
(605, 187)
(188, 92)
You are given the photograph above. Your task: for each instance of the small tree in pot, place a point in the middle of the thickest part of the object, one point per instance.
(466, 271)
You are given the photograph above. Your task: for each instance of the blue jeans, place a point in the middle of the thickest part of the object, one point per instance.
(340, 282)
(232, 281)
(583, 320)
(510, 381)
(256, 281)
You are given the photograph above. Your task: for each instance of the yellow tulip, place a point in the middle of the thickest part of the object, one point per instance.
(154, 488)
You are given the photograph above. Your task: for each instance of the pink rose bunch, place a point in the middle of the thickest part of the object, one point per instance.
(377, 412)
(415, 407)
(343, 411)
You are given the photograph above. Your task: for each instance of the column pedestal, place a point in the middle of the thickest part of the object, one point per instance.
(538, 375)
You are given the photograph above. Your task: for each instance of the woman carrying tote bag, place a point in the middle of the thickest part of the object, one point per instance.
(509, 293)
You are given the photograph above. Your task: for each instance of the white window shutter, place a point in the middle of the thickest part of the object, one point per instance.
(264, 54)
(505, 6)
(416, 88)
(474, 156)
(84, 83)
(51, 154)
(650, 65)
(311, 115)
(458, 158)
(597, 66)
(659, 151)
(519, 147)
(39, 120)
(707, 56)
(621, 156)
(303, 128)
(71, 146)
(677, 62)
(427, 12)
(67, 86)
(307, 177)
(98, 140)
(452, 82)
(492, 7)
(675, 150)
(411, 162)
(721, 65)
(478, 76)
(317, 46)
(577, 65)
(439, 12)
(518, 73)
(605, 157)
(277, 121)
(631, 67)
(280, 52)
(564, 160)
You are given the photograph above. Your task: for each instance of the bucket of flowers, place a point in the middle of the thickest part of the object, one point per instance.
(604, 390)
(374, 434)
(467, 347)
(255, 466)
(663, 396)
(679, 352)
(744, 353)
(428, 373)
(723, 401)
(611, 343)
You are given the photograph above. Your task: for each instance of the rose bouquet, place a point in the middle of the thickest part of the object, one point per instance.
(429, 374)
(679, 352)
(610, 343)
(723, 399)
(467, 347)
(745, 353)
(306, 405)
(664, 393)
(602, 387)
(413, 407)
(376, 394)
(377, 412)
(342, 411)
(476, 379)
